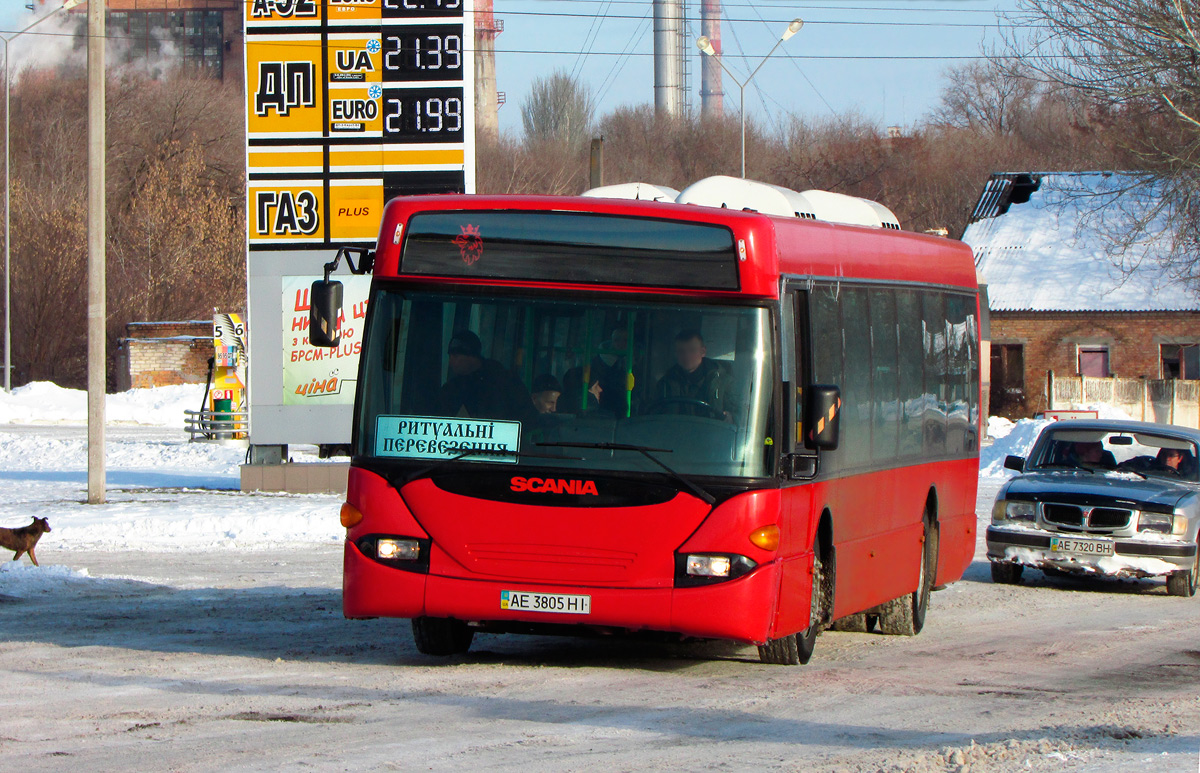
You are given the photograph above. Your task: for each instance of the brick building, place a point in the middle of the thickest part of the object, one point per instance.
(164, 353)
(1062, 296)
(203, 34)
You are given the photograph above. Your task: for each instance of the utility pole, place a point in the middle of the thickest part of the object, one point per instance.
(96, 312)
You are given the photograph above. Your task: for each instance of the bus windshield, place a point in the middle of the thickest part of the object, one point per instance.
(559, 381)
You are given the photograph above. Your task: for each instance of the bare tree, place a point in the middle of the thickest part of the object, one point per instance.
(559, 108)
(1139, 61)
(985, 95)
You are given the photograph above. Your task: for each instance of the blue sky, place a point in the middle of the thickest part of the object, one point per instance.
(825, 69)
(812, 75)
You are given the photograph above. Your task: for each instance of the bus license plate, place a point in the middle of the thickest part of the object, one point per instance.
(560, 603)
(1086, 547)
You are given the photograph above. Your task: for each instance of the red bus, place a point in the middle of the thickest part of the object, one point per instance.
(580, 415)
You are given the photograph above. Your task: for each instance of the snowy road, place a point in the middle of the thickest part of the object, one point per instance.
(238, 657)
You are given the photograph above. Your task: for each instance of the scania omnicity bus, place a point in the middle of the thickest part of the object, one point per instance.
(588, 415)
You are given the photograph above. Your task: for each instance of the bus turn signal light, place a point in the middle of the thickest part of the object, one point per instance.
(766, 538)
(351, 516)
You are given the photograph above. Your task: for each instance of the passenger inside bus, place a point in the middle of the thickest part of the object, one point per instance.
(478, 387)
(695, 385)
(546, 391)
(609, 371)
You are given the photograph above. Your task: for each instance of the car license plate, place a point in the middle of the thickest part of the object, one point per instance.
(1085, 547)
(559, 603)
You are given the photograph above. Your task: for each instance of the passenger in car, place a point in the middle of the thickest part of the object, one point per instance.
(1093, 455)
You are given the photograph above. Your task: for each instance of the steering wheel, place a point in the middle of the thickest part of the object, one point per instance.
(659, 405)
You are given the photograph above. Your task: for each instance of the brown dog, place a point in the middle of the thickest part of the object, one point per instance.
(25, 538)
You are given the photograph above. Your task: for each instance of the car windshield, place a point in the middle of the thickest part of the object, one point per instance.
(563, 381)
(1144, 453)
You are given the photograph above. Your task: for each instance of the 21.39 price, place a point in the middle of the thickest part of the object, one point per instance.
(420, 115)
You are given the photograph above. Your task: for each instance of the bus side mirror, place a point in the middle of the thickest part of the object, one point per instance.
(822, 416)
(324, 308)
(1014, 463)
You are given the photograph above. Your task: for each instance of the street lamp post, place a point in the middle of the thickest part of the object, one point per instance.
(706, 46)
(68, 5)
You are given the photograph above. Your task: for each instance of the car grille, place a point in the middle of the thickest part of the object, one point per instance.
(1076, 518)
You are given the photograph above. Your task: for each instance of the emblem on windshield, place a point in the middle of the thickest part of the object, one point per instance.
(470, 244)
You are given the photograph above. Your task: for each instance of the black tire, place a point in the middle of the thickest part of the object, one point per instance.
(1184, 583)
(851, 623)
(905, 616)
(441, 636)
(1006, 574)
(797, 649)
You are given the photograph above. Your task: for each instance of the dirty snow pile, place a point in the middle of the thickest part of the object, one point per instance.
(163, 492)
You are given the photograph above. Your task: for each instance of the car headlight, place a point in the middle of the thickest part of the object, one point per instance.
(1014, 511)
(1164, 523)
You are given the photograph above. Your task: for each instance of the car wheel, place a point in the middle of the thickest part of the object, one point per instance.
(441, 636)
(1008, 574)
(1184, 583)
(797, 649)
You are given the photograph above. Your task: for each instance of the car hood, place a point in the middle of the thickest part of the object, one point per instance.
(1098, 489)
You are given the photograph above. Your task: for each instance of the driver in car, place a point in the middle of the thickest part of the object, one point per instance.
(694, 385)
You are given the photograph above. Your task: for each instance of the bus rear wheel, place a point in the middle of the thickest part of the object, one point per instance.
(797, 649)
(905, 616)
(441, 636)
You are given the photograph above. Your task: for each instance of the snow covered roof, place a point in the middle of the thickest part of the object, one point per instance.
(1043, 242)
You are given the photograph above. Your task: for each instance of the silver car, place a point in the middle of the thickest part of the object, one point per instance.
(1102, 498)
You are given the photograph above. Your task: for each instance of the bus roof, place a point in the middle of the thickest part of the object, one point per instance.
(767, 247)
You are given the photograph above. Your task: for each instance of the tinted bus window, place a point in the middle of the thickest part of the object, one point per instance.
(884, 378)
(960, 324)
(857, 395)
(934, 333)
(912, 373)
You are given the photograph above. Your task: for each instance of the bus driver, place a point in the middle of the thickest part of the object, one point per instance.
(694, 385)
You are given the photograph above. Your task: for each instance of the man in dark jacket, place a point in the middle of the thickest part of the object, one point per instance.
(694, 385)
(480, 388)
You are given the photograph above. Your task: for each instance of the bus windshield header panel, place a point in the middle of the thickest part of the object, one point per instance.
(571, 247)
(533, 381)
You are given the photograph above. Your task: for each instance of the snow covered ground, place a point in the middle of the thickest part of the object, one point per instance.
(187, 626)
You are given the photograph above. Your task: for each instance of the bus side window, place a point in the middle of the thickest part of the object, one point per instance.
(934, 312)
(912, 373)
(825, 323)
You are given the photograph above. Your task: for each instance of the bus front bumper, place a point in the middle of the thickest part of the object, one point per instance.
(740, 609)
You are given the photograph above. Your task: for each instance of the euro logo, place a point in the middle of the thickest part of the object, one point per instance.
(284, 85)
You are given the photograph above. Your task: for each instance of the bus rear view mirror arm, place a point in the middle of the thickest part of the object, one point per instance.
(325, 298)
(822, 416)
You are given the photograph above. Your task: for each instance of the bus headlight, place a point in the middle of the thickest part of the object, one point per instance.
(398, 549)
(709, 566)
(409, 554)
(706, 568)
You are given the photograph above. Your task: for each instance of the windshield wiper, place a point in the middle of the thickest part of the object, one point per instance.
(646, 452)
(505, 452)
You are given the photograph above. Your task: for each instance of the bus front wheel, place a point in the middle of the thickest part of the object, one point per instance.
(797, 649)
(441, 636)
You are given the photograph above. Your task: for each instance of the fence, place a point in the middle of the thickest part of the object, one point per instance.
(1165, 401)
